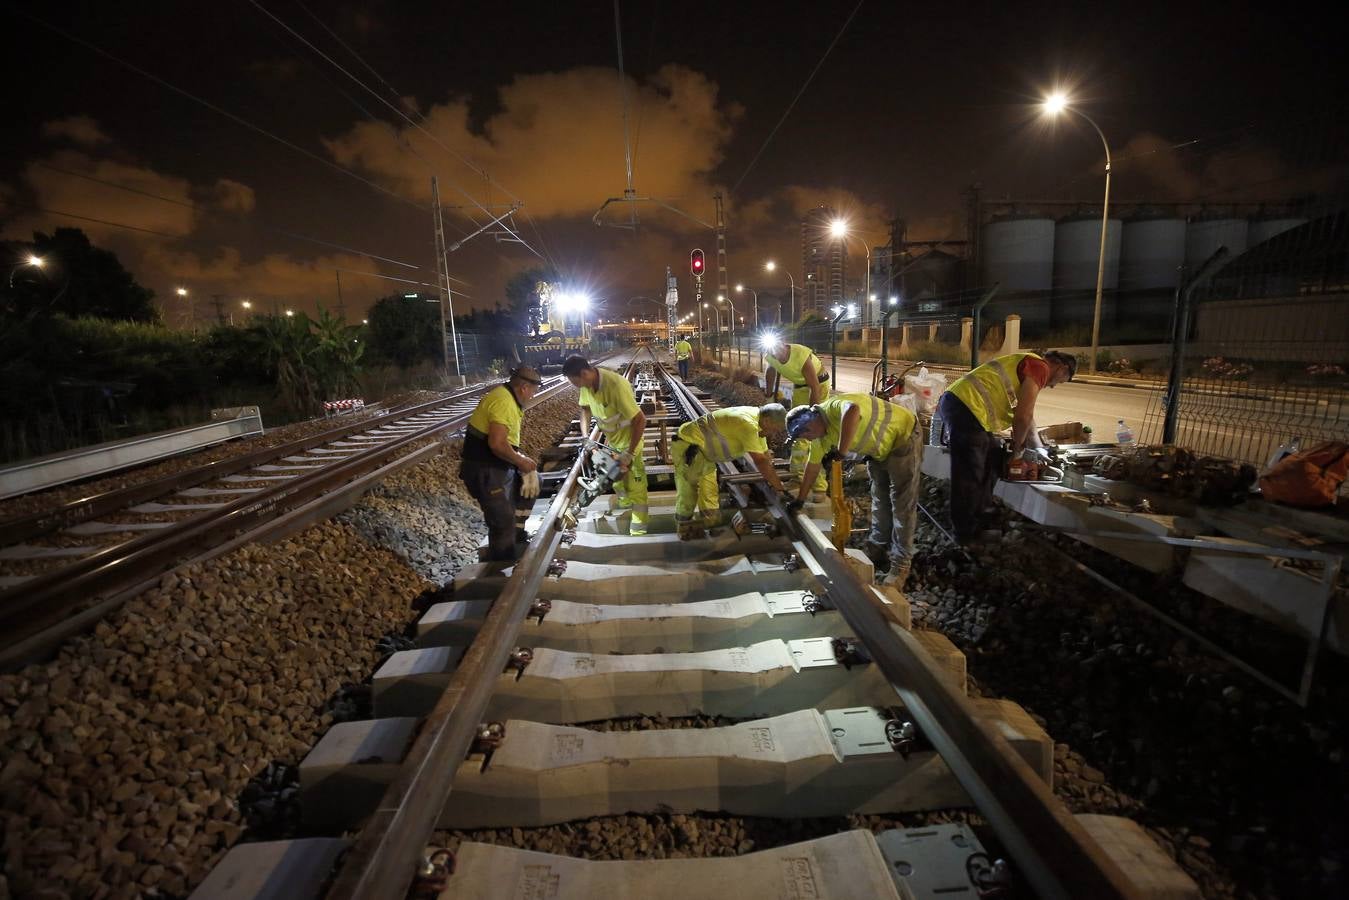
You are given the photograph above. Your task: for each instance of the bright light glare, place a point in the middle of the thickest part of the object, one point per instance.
(770, 265)
(838, 228)
(573, 303)
(182, 292)
(247, 304)
(894, 301)
(290, 313)
(835, 309)
(1056, 103)
(739, 288)
(852, 310)
(769, 340)
(36, 261)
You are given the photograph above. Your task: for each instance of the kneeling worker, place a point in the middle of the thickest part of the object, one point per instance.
(608, 397)
(798, 365)
(886, 435)
(999, 394)
(496, 473)
(720, 436)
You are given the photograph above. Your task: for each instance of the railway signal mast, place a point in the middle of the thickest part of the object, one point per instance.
(697, 265)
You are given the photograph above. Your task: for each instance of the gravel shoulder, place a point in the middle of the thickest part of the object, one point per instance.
(131, 761)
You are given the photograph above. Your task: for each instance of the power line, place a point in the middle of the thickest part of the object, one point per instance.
(211, 212)
(792, 105)
(216, 109)
(302, 39)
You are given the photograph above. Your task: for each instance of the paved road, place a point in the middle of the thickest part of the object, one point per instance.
(1097, 405)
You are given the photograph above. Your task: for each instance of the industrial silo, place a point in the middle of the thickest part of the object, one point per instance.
(1263, 229)
(1204, 235)
(1077, 254)
(1018, 252)
(1152, 254)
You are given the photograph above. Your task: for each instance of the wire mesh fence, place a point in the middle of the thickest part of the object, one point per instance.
(1263, 348)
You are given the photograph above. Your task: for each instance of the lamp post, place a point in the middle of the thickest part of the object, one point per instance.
(740, 289)
(769, 267)
(839, 312)
(1053, 105)
(839, 229)
(36, 262)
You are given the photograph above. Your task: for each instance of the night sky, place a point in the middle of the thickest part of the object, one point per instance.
(914, 103)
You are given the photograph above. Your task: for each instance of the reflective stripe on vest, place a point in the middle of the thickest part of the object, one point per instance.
(979, 390)
(710, 431)
(861, 446)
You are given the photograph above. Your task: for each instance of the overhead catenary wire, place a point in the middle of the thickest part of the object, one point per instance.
(790, 106)
(458, 156)
(238, 120)
(215, 213)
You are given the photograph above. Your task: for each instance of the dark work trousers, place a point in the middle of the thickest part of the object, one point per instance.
(497, 490)
(683, 368)
(976, 464)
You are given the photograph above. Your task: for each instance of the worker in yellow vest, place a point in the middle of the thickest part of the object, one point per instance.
(996, 396)
(886, 435)
(721, 436)
(503, 480)
(607, 398)
(683, 353)
(797, 365)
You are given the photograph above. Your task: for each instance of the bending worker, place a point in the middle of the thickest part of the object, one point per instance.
(797, 364)
(496, 473)
(683, 351)
(607, 397)
(978, 405)
(720, 436)
(886, 435)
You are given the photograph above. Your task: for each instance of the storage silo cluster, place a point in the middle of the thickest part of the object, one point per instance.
(1047, 266)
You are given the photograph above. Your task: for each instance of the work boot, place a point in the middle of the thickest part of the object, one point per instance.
(898, 577)
(879, 556)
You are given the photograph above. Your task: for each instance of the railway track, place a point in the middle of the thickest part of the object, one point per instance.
(62, 569)
(836, 708)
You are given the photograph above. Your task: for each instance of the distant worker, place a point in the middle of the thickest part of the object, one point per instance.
(999, 394)
(501, 478)
(683, 351)
(720, 436)
(886, 435)
(797, 364)
(608, 399)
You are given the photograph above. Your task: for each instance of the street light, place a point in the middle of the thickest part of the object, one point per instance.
(290, 314)
(1054, 104)
(36, 262)
(839, 229)
(771, 266)
(740, 289)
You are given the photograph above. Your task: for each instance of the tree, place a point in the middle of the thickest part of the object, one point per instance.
(77, 279)
(403, 331)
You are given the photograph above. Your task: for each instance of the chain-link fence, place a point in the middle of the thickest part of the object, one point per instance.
(1261, 347)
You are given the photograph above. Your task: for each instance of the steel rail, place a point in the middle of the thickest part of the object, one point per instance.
(34, 605)
(82, 509)
(1051, 850)
(386, 857)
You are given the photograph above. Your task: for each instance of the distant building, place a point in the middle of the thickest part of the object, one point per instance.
(823, 260)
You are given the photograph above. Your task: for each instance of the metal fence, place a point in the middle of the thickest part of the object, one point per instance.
(1260, 352)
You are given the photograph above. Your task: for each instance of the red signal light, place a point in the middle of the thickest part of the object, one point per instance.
(696, 263)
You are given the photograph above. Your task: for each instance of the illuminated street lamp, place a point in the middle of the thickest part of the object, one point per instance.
(290, 314)
(1054, 104)
(36, 262)
(740, 289)
(771, 266)
(839, 229)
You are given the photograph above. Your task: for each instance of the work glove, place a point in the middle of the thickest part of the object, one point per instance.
(529, 485)
(830, 458)
(691, 452)
(792, 504)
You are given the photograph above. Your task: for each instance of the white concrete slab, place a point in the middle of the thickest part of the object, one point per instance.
(845, 866)
(273, 870)
(763, 679)
(350, 767)
(594, 547)
(1155, 875)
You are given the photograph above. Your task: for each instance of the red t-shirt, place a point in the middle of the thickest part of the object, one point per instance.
(1035, 369)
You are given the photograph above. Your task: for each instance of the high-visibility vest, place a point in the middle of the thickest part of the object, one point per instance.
(612, 402)
(725, 434)
(881, 425)
(794, 368)
(683, 350)
(990, 391)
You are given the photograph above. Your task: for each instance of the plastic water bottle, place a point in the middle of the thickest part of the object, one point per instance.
(934, 434)
(1124, 436)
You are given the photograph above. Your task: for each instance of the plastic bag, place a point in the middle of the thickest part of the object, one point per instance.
(1309, 478)
(925, 387)
(908, 401)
